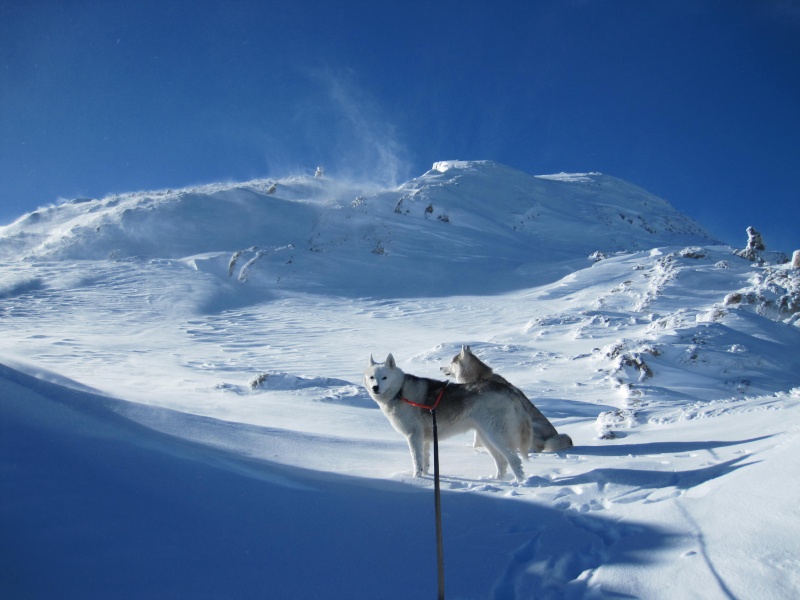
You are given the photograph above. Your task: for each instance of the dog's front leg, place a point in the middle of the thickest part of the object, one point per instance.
(419, 461)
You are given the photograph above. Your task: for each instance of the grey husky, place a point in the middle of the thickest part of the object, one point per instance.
(468, 368)
(485, 406)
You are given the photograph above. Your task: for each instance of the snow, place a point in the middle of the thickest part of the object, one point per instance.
(182, 413)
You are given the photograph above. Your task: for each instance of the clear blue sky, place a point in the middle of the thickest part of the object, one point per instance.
(697, 101)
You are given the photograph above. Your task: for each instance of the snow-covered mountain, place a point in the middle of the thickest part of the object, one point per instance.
(182, 414)
(455, 221)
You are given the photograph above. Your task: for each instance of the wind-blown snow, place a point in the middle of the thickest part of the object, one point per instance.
(182, 412)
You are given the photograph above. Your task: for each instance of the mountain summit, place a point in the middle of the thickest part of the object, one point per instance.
(467, 222)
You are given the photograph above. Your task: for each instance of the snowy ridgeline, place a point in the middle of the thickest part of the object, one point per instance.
(188, 419)
(458, 219)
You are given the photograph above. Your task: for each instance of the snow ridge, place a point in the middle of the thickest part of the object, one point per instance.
(470, 215)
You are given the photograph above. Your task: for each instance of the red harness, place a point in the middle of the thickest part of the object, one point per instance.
(426, 406)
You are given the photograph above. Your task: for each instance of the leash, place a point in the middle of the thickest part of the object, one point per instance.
(438, 505)
(436, 490)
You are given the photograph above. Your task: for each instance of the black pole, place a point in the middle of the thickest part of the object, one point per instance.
(438, 503)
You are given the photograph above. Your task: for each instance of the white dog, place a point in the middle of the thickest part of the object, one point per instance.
(492, 409)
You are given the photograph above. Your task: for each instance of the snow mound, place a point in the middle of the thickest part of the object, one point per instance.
(285, 381)
(774, 293)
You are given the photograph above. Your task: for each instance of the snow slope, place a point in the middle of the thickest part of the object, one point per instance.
(303, 233)
(183, 416)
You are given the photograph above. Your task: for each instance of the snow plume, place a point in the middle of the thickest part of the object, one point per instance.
(352, 137)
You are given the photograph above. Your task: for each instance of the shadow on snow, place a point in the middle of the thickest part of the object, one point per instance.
(93, 504)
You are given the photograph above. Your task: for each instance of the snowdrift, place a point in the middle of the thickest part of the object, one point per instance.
(104, 506)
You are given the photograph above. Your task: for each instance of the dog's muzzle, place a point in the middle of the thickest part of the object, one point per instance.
(376, 389)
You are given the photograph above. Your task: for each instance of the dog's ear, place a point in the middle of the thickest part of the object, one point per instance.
(465, 350)
(390, 361)
(372, 362)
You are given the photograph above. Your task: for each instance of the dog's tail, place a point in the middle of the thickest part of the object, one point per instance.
(560, 441)
(523, 426)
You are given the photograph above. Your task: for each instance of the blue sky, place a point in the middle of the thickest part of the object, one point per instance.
(696, 101)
